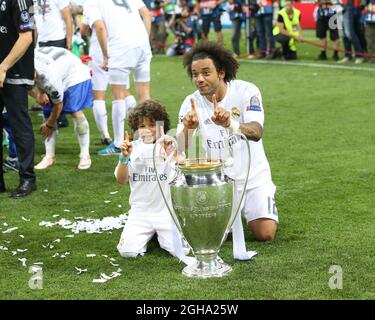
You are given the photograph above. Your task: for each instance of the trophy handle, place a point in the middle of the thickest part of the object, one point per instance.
(168, 162)
(245, 184)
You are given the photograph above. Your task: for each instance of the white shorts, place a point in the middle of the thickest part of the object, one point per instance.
(140, 228)
(260, 203)
(100, 78)
(136, 61)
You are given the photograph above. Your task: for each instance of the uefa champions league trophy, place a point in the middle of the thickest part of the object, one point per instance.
(202, 204)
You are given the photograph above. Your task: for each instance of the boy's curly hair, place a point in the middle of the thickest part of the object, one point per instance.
(150, 109)
(221, 57)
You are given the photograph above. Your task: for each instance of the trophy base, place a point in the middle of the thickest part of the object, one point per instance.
(207, 269)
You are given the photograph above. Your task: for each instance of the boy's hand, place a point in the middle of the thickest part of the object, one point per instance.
(126, 147)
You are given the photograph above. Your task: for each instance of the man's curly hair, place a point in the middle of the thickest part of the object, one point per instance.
(150, 109)
(221, 57)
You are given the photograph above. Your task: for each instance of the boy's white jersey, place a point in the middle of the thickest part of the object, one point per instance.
(58, 69)
(145, 195)
(125, 28)
(49, 21)
(243, 100)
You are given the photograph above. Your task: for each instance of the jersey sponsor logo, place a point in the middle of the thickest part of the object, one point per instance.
(25, 17)
(3, 6)
(148, 176)
(3, 30)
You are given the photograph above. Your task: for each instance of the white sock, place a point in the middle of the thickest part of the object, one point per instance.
(118, 121)
(50, 145)
(101, 118)
(130, 103)
(82, 130)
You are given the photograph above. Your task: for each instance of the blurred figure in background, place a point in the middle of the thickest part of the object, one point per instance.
(236, 15)
(182, 27)
(288, 30)
(325, 16)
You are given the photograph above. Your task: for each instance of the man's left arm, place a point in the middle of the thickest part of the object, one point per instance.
(24, 41)
(66, 14)
(146, 17)
(25, 29)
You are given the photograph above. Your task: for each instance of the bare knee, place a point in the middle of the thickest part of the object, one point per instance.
(263, 229)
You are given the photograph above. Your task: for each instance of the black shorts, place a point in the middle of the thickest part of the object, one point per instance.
(206, 23)
(55, 43)
(322, 26)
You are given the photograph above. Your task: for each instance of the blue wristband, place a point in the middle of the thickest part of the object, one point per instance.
(123, 159)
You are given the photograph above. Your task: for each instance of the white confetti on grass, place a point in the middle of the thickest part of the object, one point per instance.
(23, 261)
(24, 219)
(3, 248)
(114, 192)
(107, 201)
(55, 216)
(80, 270)
(104, 278)
(22, 236)
(10, 230)
(91, 255)
(89, 225)
(5, 224)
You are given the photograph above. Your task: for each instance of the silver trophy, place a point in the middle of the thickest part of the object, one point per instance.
(201, 205)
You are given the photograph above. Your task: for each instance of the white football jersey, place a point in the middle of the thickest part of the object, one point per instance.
(58, 69)
(125, 28)
(243, 100)
(49, 22)
(145, 195)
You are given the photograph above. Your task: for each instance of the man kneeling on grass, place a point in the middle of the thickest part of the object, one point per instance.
(148, 214)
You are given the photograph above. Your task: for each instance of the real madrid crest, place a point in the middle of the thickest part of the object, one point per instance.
(236, 113)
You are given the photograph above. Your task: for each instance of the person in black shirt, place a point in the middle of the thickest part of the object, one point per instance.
(16, 74)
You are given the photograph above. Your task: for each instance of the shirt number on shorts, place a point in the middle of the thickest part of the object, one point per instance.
(272, 206)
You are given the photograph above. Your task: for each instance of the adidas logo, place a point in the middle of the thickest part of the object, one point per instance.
(208, 121)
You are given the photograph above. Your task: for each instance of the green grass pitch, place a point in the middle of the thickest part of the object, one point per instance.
(320, 141)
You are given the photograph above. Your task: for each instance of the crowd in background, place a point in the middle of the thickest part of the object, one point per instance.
(191, 20)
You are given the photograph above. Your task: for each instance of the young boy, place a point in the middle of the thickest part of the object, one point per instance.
(148, 214)
(64, 84)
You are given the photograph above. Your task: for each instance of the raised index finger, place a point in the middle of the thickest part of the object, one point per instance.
(126, 136)
(214, 101)
(193, 105)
